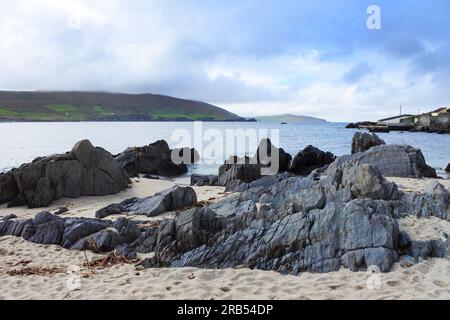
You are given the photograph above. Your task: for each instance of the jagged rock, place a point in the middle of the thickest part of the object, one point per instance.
(310, 159)
(434, 202)
(390, 160)
(204, 180)
(244, 169)
(168, 200)
(364, 141)
(294, 229)
(81, 229)
(268, 160)
(155, 158)
(359, 125)
(8, 188)
(85, 171)
(276, 160)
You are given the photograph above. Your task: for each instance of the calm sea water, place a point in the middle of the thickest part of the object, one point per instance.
(23, 142)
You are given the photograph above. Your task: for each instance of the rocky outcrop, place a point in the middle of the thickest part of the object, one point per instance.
(8, 188)
(204, 180)
(84, 171)
(364, 141)
(309, 159)
(391, 161)
(239, 169)
(156, 159)
(168, 200)
(359, 125)
(283, 223)
(267, 152)
(268, 160)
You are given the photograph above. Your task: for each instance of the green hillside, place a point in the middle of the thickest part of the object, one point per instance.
(99, 106)
(290, 118)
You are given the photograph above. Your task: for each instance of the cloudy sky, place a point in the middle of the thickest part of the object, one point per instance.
(251, 57)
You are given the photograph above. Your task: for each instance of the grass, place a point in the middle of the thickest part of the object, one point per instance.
(101, 111)
(174, 115)
(63, 108)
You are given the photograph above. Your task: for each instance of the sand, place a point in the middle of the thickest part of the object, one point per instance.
(71, 280)
(427, 280)
(87, 206)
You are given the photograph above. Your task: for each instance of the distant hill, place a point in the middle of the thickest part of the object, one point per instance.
(99, 106)
(290, 118)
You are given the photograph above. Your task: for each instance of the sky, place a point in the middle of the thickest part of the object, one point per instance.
(253, 58)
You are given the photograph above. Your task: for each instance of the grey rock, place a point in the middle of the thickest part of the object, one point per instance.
(243, 169)
(8, 188)
(269, 156)
(155, 158)
(204, 180)
(364, 141)
(85, 171)
(309, 159)
(390, 160)
(168, 200)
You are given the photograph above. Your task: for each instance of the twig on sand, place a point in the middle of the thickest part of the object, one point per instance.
(108, 261)
(35, 271)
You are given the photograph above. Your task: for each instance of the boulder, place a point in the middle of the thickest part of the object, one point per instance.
(204, 180)
(447, 169)
(168, 200)
(364, 141)
(8, 188)
(268, 160)
(155, 159)
(309, 159)
(244, 169)
(391, 160)
(266, 152)
(85, 171)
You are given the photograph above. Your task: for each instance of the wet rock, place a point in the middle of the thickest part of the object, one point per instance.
(364, 141)
(309, 159)
(171, 199)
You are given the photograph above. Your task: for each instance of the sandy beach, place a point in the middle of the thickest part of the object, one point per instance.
(62, 274)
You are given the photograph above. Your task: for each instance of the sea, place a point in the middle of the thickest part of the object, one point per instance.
(21, 142)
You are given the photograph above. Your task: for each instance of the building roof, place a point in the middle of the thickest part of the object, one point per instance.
(440, 110)
(403, 116)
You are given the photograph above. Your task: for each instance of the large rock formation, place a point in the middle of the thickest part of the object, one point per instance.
(284, 223)
(268, 160)
(309, 159)
(156, 159)
(8, 188)
(168, 200)
(84, 171)
(391, 161)
(364, 141)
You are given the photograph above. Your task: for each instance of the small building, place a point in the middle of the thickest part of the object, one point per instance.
(403, 119)
(439, 111)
